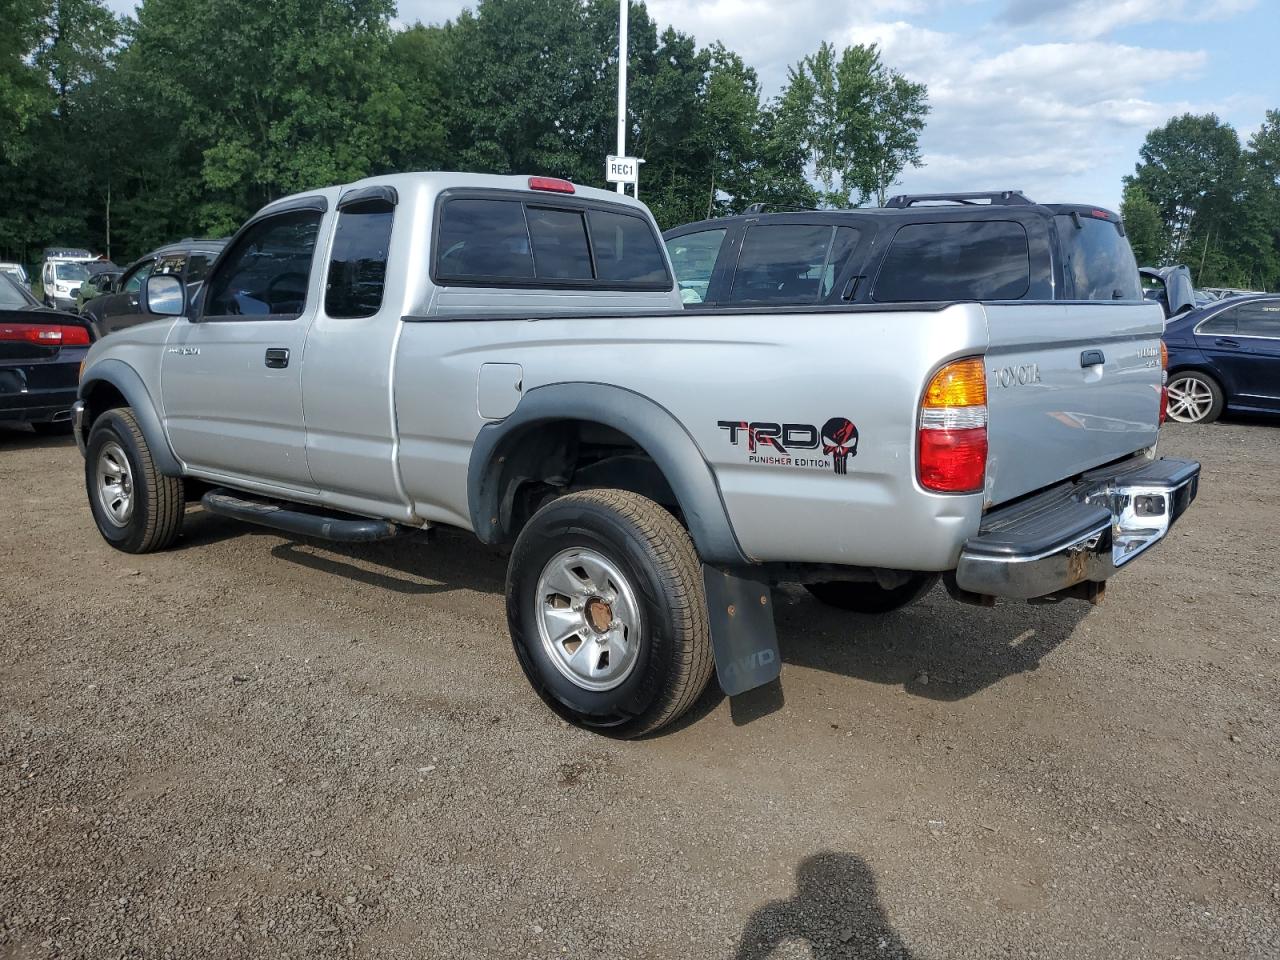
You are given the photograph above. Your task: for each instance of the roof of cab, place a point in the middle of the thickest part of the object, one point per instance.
(437, 181)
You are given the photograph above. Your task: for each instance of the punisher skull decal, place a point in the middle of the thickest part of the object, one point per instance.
(769, 443)
(840, 442)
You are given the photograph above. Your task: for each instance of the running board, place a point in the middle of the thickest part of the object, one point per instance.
(293, 518)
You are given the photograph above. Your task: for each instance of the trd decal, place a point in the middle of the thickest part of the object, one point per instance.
(776, 444)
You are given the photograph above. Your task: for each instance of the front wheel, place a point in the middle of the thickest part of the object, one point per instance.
(607, 612)
(137, 509)
(1194, 397)
(870, 597)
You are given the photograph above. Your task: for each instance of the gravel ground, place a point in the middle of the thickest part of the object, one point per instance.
(254, 747)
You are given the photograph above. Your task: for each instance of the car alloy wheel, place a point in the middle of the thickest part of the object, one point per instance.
(1190, 399)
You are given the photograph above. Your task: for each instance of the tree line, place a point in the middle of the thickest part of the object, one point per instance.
(121, 134)
(1199, 198)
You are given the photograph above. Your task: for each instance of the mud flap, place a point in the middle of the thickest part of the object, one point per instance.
(743, 637)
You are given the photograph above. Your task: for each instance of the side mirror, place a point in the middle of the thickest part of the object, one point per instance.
(165, 296)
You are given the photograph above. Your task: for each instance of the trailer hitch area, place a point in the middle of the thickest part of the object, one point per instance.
(743, 637)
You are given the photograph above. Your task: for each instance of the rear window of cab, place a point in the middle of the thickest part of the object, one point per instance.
(513, 241)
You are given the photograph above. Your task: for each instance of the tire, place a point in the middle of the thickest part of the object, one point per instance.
(1197, 396)
(52, 428)
(870, 597)
(142, 511)
(640, 612)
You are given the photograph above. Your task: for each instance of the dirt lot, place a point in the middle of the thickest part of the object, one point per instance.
(257, 747)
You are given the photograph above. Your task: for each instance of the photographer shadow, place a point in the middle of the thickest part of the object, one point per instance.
(836, 911)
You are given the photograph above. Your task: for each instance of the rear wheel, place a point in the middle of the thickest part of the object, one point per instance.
(607, 612)
(137, 509)
(1194, 397)
(870, 597)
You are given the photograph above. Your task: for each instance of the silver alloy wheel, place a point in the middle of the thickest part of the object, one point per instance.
(115, 483)
(588, 619)
(1190, 399)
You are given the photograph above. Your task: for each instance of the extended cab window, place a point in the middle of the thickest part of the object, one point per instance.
(967, 260)
(1098, 259)
(790, 262)
(358, 265)
(267, 271)
(693, 258)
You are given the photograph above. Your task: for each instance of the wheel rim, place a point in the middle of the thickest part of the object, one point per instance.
(1190, 399)
(588, 619)
(115, 483)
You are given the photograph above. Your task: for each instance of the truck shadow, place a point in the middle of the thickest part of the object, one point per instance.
(835, 911)
(936, 648)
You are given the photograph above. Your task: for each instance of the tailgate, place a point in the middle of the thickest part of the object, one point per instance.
(1070, 386)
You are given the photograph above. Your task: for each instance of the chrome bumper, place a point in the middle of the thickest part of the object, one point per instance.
(1080, 532)
(77, 424)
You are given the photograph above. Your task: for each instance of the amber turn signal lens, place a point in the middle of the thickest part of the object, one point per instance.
(961, 383)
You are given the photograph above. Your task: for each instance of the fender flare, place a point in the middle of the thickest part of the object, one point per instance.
(650, 425)
(125, 379)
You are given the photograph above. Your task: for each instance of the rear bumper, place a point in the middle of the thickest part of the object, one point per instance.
(1077, 532)
(77, 425)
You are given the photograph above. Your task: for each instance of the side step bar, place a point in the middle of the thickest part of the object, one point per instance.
(292, 518)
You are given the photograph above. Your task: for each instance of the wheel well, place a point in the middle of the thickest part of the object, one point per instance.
(100, 397)
(547, 460)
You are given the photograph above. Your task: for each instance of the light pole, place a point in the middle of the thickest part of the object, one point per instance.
(622, 82)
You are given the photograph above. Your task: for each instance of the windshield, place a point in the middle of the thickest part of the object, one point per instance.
(11, 295)
(71, 271)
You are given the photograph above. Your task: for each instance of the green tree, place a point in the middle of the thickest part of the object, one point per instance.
(1190, 169)
(863, 121)
(23, 92)
(1142, 225)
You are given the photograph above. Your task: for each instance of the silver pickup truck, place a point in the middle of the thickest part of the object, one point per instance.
(513, 356)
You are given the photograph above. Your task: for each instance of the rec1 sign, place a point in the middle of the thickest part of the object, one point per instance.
(621, 169)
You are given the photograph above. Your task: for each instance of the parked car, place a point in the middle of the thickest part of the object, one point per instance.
(510, 356)
(103, 275)
(40, 355)
(17, 271)
(122, 307)
(1225, 357)
(980, 246)
(61, 273)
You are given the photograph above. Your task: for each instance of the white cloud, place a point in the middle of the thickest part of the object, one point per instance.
(1062, 121)
(1087, 19)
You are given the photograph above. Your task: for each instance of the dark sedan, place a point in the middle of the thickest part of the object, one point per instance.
(40, 354)
(1225, 356)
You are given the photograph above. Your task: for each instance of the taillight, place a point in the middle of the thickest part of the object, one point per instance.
(51, 335)
(1164, 382)
(550, 184)
(952, 450)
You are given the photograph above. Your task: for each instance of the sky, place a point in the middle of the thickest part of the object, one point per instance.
(1052, 97)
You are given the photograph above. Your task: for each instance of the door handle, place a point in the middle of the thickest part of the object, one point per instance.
(1092, 358)
(1226, 342)
(277, 358)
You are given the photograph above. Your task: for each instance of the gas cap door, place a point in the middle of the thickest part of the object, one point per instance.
(498, 389)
